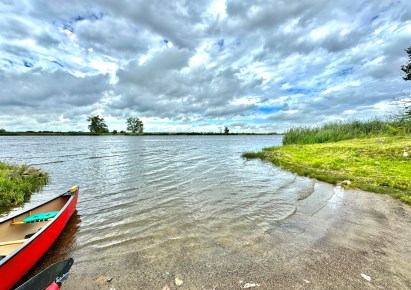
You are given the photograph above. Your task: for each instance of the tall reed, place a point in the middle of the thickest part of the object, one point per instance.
(338, 131)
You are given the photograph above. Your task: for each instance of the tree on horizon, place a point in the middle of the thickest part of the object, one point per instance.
(135, 125)
(406, 101)
(97, 125)
(406, 68)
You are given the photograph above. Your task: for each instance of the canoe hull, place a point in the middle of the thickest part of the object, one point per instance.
(23, 259)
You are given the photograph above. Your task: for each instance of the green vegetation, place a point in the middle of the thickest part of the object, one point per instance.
(18, 182)
(406, 69)
(135, 125)
(406, 99)
(338, 131)
(97, 125)
(381, 165)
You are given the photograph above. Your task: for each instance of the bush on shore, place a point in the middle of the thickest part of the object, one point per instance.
(18, 182)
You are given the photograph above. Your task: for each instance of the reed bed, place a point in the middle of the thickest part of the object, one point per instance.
(338, 131)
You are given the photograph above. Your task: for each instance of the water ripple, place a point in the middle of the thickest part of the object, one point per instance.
(150, 193)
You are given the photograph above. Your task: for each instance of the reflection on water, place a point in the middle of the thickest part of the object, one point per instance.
(160, 195)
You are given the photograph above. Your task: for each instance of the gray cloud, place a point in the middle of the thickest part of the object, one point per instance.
(50, 90)
(166, 86)
(116, 38)
(176, 21)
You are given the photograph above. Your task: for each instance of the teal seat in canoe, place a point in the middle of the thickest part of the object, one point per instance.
(39, 217)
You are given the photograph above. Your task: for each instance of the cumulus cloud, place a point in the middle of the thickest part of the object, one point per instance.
(262, 66)
(37, 88)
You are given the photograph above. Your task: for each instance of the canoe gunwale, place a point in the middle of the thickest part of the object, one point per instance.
(9, 257)
(5, 219)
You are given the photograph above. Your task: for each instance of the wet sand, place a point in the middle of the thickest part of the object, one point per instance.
(333, 238)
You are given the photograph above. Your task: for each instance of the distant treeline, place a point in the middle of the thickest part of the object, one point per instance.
(52, 133)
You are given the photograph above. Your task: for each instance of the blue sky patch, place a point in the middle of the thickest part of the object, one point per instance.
(96, 16)
(90, 16)
(68, 26)
(56, 62)
(269, 109)
(345, 72)
(78, 18)
(220, 43)
(299, 91)
(27, 64)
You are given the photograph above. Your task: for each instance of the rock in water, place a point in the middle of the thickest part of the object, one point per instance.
(250, 285)
(178, 282)
(104, 280)
(366, 277)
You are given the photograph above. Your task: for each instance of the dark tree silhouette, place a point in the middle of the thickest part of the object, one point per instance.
(406, 68)
(135, 125)
(406, 100)
(97, 125)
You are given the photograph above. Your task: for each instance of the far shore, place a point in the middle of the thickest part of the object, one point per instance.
(51, 133)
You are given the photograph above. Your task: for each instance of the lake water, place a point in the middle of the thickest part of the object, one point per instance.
(161, 202)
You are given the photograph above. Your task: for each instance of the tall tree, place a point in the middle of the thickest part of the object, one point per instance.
(226, 130)
(97, 125)
(406, 100)
(406, 68)
(135, 125)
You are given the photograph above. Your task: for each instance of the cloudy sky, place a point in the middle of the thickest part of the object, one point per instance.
(254, 66)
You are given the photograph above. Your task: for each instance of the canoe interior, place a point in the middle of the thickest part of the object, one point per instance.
(10, 232)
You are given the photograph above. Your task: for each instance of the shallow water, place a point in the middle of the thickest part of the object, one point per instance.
(159, 197)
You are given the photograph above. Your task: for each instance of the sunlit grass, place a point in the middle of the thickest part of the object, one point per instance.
(372, 164)
(18, 182)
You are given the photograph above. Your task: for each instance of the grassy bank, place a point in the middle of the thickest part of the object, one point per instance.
(374, 164)
(18, 182)
(338, 131)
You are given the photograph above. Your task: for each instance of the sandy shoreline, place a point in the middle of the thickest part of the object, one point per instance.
(334, 236)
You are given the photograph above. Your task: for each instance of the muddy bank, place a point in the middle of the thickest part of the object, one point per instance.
(336, 239)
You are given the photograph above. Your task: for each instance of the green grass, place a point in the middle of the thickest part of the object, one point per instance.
(372, 164)
(338, 131)
(18, 182)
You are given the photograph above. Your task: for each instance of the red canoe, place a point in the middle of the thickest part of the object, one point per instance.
(25, 237)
